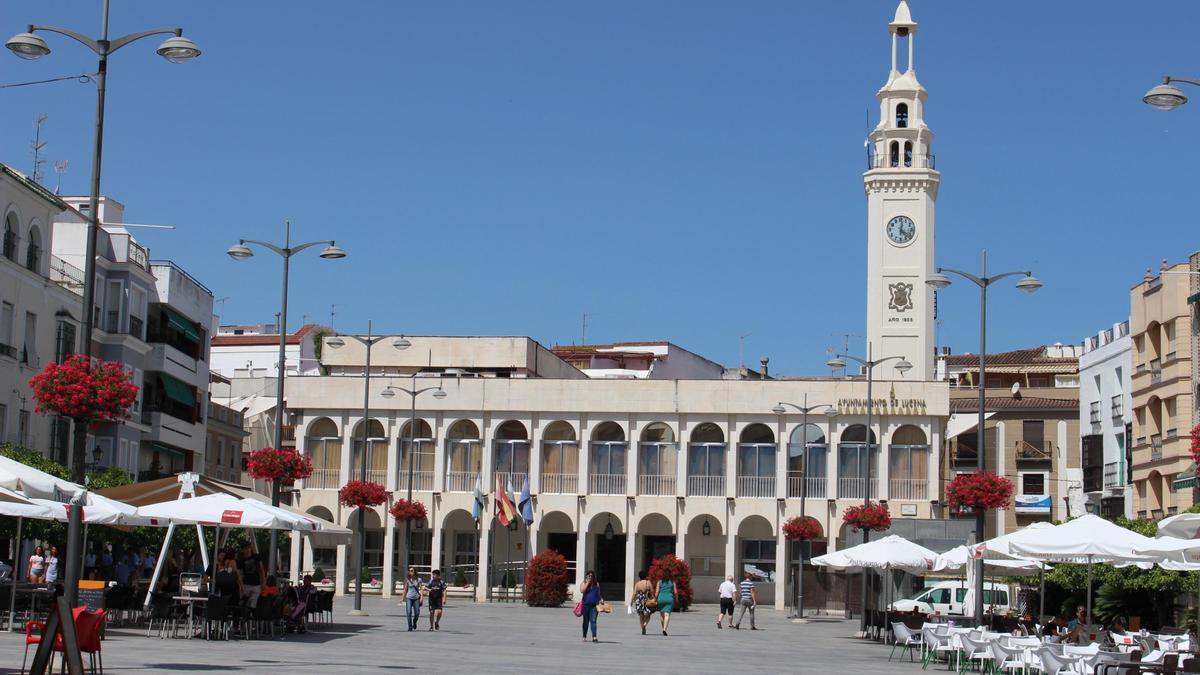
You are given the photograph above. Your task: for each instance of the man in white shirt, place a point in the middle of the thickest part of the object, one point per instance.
(727, 591)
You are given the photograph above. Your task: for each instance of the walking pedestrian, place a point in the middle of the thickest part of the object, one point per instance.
(412, 598)
(437, 593)
(666, 596)
(642, 602)
(727, 591)
(37, 566)
(52, 566)
(590, 590)
(253, 573)
(748, 601)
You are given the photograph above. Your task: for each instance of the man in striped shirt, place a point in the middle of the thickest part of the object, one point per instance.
(747, 601)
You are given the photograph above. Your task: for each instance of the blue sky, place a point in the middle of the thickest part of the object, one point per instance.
(686, 170)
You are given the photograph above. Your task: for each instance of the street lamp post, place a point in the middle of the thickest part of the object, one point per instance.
(830, 412)
(337, 343)
(29, 45)
(241, 251)
(1029, 284)
(902, 365)
(413, 393)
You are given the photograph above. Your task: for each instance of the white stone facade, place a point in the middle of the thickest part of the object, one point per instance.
(1105, 413)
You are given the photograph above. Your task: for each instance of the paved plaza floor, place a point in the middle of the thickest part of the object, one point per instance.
(504, 638)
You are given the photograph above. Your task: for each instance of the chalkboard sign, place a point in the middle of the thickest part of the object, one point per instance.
(91, 594)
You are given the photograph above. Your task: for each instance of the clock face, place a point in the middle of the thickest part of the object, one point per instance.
(901, 229)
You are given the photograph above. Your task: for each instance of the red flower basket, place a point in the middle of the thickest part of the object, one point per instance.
(872, 516)
(546, 579)
(273, 464)
(979, 491)
(802, 529)
(362, 494)
(85, 389)
(1195, 447)
(670, 567)
(404, 510)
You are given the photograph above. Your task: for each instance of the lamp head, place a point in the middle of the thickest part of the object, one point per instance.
(938, 280)
(836, 363)
(831, 412)
(1029, 283)
(178, 49)
(439, 393)
(240, 251)
(388, 393)
(401, 343)
(779, 409)
(335, 342)
(903, 365)
(333, 252)
(1165, 96)
(28, 46)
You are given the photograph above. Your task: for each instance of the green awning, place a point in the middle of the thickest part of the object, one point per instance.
(177, 391)
(159, 447)
(181, 323)
(1193, 298)
(1185, 480)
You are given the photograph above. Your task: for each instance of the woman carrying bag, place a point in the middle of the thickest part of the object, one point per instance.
(643, 601)
(590, 590)
(666, 596)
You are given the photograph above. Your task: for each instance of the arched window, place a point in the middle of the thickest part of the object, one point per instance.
(807, 462)
(376, 452)
(706, 461)
(756, 462)
(908, 153)
(33, 251)
(560, 459)
(656, 460)
(902, 116)
(894, 154)
(324, 448)
(511, 454)
(463, 458)
(11, 228)
(908, 464)
(417, 436)
(606, 460)
(853, 464)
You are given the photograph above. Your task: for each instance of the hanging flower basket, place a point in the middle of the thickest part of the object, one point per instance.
(1195, 447)
(872, 516)
(979, 491)
(274, 464)
(362, 494)
(404, 510)
(85, 389)
(802, 529)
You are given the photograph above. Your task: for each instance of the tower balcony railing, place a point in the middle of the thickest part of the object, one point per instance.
(909, 161)
(756, 486)
(814, 490)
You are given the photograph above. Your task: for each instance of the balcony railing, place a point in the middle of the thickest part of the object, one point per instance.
(606, 483)
(560, 483)
(373, 475)
(756, 486)
(8, 350)
(289, 432)
(795, 486)
(1155, 447)
(112, 321)
(907, 488)
(1094, 412)
(1171, 433)
(852, 488)
(1118, 406)
(461, 481)
(1155, 371)
(649, 484)
(1031, 452)
(137, 327)
(514, 479)
(323, 479)
(421, 481)
(1111, 478)
(706, 486)
(903, 161)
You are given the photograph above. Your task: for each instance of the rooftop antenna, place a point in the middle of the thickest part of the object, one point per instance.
(60, 167)
(583, 332)
(332, 314)
(742, 349)
(37, 145)
(221, 301)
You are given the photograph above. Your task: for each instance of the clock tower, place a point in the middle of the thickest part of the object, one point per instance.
(901, 186)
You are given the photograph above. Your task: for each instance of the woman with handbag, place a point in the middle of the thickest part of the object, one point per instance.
(666, 596)
(643, 602)
(590, 590)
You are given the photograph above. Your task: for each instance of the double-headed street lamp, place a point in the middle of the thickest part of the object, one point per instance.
(337, 342)
(413, 393)
(1029, 284)
(29, 45)
(241, 251)
(830, 412)
(1167, 96)
(902, 365)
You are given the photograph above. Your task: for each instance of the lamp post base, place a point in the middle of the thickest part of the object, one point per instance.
(357, 612)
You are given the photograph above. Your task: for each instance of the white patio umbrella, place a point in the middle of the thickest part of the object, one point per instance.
(99, 510)
(892, 552)
(32, 482)
(1088, 539)
(226, 511)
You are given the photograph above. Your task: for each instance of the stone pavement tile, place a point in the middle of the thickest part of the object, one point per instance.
(503, 638)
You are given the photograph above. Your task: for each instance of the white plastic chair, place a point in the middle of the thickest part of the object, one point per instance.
(906, 640)
(974, 650)
(935, 643)
(1007, 658)
(1054, 663)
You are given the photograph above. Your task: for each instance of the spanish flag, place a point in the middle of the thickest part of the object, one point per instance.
(505, 511)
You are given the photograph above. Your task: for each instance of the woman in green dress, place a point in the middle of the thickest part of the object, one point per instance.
(666, 595)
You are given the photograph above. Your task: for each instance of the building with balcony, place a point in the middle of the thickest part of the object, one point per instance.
(1105, 415)
(621, 470)
(39, 317)
(1031, 429)
(640, 360)
(226, 439)
(154, 317)
(1163, 389)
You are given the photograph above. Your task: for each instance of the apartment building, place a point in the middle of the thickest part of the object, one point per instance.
(1105, 418)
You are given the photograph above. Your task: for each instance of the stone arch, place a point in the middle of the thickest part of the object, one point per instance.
(707, 432)
(33, 248)
(557, 531)
(557, 520)
(658, 432)
(757, 433)
(857, 433)
(422, 430)
(656, 524)
(374, 429)
(909, 434)
(559, 430)
(810, 434)
(756, 527)
(512, 430)
(463, 429)
(608, 431)
(320, 512)
(696, 525)
(598, 522)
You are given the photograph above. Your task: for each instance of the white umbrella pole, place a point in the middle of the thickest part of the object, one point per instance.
(158, 564)
(1041, 591)
(216, 541)
(203, 547)
(12, 597)
(1089, 590)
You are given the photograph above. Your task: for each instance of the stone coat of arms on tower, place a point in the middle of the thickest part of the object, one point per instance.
(901, 296)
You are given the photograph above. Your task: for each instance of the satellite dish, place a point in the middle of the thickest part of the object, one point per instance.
(1016, 390)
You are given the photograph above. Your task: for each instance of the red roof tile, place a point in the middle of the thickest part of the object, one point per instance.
(265, 339)
(1002, 403)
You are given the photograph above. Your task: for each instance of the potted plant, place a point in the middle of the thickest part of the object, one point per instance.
(872, 516)
(979, 491)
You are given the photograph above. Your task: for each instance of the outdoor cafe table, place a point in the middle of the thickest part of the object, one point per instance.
(34, 592)
(190, 601)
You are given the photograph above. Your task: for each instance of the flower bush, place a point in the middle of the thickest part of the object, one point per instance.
(873, 516)
(802, 529)
(404, 510)
(546, 579)
(362, 494)
(670, 567)
(85, 389)
(1195, 447)
(272, 464)
(979, 491)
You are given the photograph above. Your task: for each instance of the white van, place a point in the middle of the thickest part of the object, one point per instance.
(949, 597)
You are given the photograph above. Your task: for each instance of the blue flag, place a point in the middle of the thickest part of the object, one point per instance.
(477, 509)
(525, 505)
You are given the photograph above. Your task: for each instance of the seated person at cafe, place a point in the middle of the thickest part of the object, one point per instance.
(123, 571)
(228, 581)
(270, 589)
(1076, 625)
(1118, 625)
